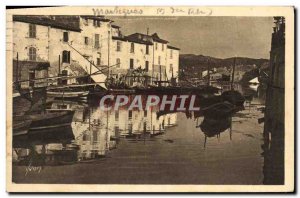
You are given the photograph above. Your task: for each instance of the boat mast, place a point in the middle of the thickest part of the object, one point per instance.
(17, 69)
(90, 77)
(59, 79)
(159, 75)
(208, 73)
(108, 49)
(233, 71)
(58, 65)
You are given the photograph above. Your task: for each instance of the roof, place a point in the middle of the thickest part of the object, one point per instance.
(115, 26)
(157, 39)
(45, 21)
(99, 18)
(140, 38)
(119, 38)
(171, 47)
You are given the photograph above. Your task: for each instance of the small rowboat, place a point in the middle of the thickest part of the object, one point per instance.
(67, 94)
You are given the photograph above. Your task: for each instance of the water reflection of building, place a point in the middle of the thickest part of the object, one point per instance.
(94, 133)
(99, 131)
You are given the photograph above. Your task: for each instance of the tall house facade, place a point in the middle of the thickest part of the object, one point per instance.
(37, 40)
(158, 60)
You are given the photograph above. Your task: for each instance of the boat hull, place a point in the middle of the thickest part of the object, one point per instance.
(21, 127)
(51, 121)
(71, 94)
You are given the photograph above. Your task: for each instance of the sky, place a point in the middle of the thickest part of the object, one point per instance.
(220, 37)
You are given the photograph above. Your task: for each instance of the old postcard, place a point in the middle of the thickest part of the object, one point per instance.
(150, 99)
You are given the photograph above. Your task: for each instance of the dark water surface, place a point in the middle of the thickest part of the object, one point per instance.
(140, 147)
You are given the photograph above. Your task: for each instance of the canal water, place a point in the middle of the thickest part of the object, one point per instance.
(145, 147)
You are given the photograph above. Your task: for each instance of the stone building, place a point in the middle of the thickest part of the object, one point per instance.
(83, 45)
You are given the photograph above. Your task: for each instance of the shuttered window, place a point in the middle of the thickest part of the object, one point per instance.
(66, 56)
(66, 36)
(97, 44)
(32, 30)
(32, 54)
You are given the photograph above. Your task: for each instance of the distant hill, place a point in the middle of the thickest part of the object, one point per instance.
(246, 68)
(200, 61)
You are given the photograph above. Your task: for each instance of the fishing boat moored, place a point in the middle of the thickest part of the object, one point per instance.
(45, 121)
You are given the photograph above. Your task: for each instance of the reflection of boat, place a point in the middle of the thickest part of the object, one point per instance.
(234, 97)
(21, 127)
(212, 127)
(47, 121)
(219, 110)
(51, 147)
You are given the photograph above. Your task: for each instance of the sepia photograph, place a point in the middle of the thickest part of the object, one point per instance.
(150, 97)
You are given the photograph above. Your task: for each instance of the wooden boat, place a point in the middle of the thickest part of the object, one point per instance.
(47, 121)
(21, 127)
(51, 120)
(70, 91)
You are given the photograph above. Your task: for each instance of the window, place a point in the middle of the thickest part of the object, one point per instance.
(155, 46)
(66, 56)
(31, 78)
(98, 61)
(171, 53)
(159, 60)
(96, 40)
(32, 31)
(116, 115)
(162, 47)
(98, 23)
(145, 126)
(95, 23)
(118, 62)
(147, 65)
(66, 36)
(95, 135)
(118, 46)
(86, 40)
(147, 49)
(130, 114)
(131, 63)
(132, 48)
(130, 128)
(171, 68)
(117, 130)
(32, 54)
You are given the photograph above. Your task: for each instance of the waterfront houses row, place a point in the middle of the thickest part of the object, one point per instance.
(83, 45)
